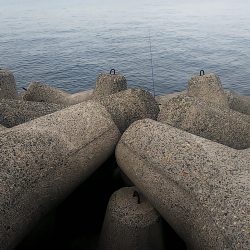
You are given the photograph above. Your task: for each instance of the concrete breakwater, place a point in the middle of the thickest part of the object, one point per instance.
(131, 217)
(195, 184)
(191, 165)
(197, 117)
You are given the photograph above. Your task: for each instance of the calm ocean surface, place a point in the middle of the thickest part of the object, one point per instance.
(68, 43)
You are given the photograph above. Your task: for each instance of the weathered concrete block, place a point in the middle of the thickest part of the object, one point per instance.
(238, 102)
(7, 85)
(209, 89)
(80, 97)
(15, 112)
(193, 115)
(200, 187)
(162, 99)
(131, 225)
(130, 105)
(43, 160)
(107, 84)
(39, 92)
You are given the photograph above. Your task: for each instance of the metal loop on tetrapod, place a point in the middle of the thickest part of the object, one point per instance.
(136, 194)
(202, 72)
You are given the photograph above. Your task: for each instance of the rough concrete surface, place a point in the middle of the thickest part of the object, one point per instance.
(15, 112)
(162, 99)
(80, 97)
(200, 187)
(129, 225)
(39, 92)
(107, 84)
(193, 115)
(2, 127)
(209, 89)
(7, 85)
(130, 105)
(238, 102)
(44, 160)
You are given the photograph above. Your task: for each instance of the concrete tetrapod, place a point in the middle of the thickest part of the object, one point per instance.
(39, 92)
(238, 102)
(80, 97)
(43, 160)
(7, 85)
(200, 187)
(162, 99)
(131, 223)
(193, 115)
(209, 89)
(130, 105)
(107, 84)
(15, 112)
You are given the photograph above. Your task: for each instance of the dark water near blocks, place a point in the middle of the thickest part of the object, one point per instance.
(67, 43)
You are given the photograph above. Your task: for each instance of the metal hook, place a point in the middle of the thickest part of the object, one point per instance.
(136, 194)
(112, 70)
(202, 72)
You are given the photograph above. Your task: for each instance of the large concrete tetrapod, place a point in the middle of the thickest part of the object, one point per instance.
(131, 223)
(238, 102)
(15, 112)
(7, 85)
(162, 99)
(39, 92)
(209, 89)
(193, 115)
(80, 97)
(107, 84)
(130, 105)
(200, 187)
(42, 161)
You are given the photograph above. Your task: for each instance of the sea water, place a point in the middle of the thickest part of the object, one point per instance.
(66, 44)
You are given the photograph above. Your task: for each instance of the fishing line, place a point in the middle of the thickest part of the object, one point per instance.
(151, 61)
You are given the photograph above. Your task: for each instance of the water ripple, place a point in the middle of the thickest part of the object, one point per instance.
(68, 43)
